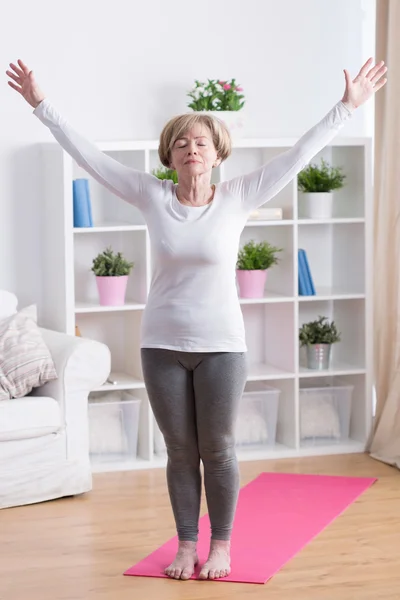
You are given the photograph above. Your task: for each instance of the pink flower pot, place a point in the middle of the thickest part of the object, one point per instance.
(112, 290)
(251, 283)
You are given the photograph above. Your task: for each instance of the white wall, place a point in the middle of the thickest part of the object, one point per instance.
(119, 69)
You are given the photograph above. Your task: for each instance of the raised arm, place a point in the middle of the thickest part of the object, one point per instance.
(131, 185)
(259, 186)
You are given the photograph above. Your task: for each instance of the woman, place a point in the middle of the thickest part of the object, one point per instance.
(193, 344)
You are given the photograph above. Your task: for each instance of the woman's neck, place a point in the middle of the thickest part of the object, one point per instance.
(195, 192)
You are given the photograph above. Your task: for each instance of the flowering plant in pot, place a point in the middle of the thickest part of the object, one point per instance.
(253, 262)
(317, 183)
(318, 337)
(222, 99)
(112, 271)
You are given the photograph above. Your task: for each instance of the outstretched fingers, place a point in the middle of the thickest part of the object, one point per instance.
(378, 74)
(379, 85)
(17, 70)
(15, 87)
(372, 72)
(23, 66)
(14, 77)
(365, 67)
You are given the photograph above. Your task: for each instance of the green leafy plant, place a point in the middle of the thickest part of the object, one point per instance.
(259, 256)
(165, 173)
(319, 331)
(320, 178)
(215, 94)
(108, 264)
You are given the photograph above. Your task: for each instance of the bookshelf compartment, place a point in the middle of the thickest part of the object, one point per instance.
(271, 412)
(280, 277)
(342, 399)
(336, 256)
(246, 160)
(113, 427)
(108, 209)
(133, 246)
(269, 330)
(348, 201)
(349, 316)
(120, 331)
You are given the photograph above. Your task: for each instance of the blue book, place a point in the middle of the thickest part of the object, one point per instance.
(303, 275)
(302, 278)
(89, 202)
(81, 203)
(308, 270)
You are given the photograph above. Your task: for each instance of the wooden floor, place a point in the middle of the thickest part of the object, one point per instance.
(77, 548)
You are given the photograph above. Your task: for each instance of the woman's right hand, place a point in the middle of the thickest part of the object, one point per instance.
(25, 83)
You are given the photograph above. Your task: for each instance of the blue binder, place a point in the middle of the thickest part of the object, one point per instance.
(81, 203)
(309, 276)
(306, 284)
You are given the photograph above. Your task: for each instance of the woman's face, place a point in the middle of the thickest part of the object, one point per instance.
(195, 153)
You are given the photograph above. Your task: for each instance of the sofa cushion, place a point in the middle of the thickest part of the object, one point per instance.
(29, 417)
(25, 360)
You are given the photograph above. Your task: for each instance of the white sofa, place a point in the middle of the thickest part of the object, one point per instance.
(44, 437)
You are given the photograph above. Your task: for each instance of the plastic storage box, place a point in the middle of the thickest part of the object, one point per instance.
(258, 417)
(325, 413)
(113, 429)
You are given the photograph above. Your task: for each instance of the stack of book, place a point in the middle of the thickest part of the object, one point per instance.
(82, 204)
(306, 284)
(266, 214)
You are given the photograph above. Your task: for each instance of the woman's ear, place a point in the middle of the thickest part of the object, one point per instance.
(217, 162)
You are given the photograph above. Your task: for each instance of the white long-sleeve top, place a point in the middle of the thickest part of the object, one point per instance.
(193, 305)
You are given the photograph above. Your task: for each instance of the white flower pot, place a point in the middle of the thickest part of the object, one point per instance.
(234, 120)
(318, 205)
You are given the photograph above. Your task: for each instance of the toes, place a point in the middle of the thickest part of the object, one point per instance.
(203, 574)
(211, 574)
(177, 573)
(186, 574)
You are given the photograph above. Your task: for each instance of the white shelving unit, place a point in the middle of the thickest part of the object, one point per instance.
(340, 255)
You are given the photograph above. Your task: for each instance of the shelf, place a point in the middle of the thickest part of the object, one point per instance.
(107, 466)
(259, 452)
(94, 307)
(125, 382)
(333, 220)
(332, 293)
(256, 453)
(268, 298)
(324, 447)
(106, 227)
(261, 372)
(269, 222)
(334, 370)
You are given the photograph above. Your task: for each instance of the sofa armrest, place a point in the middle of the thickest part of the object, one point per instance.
(82, 365)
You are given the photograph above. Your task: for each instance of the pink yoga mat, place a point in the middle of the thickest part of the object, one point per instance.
(277, 515)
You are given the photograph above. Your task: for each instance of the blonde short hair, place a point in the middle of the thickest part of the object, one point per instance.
(178, 126)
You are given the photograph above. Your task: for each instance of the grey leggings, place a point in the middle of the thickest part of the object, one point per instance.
(195, 399)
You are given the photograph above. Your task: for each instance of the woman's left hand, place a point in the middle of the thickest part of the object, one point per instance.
(368, 82)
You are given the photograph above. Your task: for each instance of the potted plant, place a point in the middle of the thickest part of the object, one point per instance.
(165, 173)
(253, 261)
(222, 99)
(318, 337)
(111, 271)
(317, 183)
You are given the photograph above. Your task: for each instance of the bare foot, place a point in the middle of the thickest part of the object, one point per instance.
(218, 562)
(185, 561)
